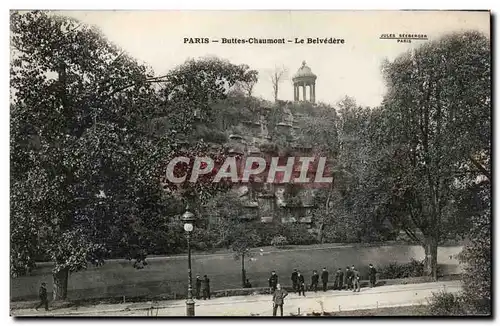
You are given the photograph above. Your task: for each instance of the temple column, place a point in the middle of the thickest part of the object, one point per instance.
(313, 97)
(304, 92)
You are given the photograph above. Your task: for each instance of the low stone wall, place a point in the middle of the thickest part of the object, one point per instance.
(168, 275)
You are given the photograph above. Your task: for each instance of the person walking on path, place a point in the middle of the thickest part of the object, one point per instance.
(295, 280)
(198, 287)
(273, 281)
(324, 279)
(42, 294)
(339, 280)
(301, 284)
(372, 275)
(314, 281)
(279, 299)
(206, 287)
(355, 280)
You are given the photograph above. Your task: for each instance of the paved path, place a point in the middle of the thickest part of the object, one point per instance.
(260, 305)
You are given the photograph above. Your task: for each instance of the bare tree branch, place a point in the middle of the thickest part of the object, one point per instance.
(277, 76)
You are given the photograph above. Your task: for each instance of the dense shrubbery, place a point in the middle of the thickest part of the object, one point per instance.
(279, 241)
(267, 232)
(445, 304)
(477, 272)
(295, 233)
(414, 268)
(298, 234)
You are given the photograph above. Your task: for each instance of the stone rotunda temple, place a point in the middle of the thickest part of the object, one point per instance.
(303, 78)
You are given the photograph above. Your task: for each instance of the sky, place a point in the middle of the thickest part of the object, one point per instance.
(349, 69)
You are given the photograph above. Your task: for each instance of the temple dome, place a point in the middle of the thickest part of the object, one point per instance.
(304, 72)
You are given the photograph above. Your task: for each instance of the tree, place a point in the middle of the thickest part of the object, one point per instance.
(229, 223)
(277, 76)
(321, 129)
(243, 238)
(82, 161)
(438, 106)
(352, 208)
(91, 130)
(248, 81)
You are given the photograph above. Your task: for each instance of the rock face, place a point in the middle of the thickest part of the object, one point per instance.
(273, 202)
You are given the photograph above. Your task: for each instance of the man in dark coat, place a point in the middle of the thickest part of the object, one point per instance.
(294, 280)
(372, 275)
(42, 294)
(198, 287)
(348, 280)
(324, 279)
(339, 280)
(301, 284)
(206, 287)
(273, 281)
(248, 285)
(278, 299)
(314, 281)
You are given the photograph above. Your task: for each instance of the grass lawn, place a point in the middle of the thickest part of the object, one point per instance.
(166, 277)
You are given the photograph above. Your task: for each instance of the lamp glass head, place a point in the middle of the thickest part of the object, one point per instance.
(188, 227)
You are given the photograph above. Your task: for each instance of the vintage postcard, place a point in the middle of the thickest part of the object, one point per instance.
(250, 163)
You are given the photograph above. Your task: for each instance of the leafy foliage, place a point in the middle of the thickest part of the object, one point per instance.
(279, 241)
(438, 108)
(76, 142)
(477, 254)
(298, 234)
(91, 129)
(445, 304)
(414, 268)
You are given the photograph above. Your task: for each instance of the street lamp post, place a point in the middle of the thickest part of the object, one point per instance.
(188, 219)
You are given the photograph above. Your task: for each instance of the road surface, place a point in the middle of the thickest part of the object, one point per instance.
(261, 305)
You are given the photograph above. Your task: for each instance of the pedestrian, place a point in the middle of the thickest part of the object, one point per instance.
(348, 280)
(314, 281)
(301, 283)
(273, 281)
(206, 287)
(248, 285)
(372, 275)
(294, 280)
(339, 280)
(355, 280)
(42, 294)
(278, 299)
(324, 279)
(198, 287)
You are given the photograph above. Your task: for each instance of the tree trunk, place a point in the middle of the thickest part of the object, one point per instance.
(243, 273)
(430, 262)
(319, 238)
(60, 287)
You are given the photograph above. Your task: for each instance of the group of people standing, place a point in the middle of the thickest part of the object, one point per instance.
(202, 287)
(348, 280)
(299, 284)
